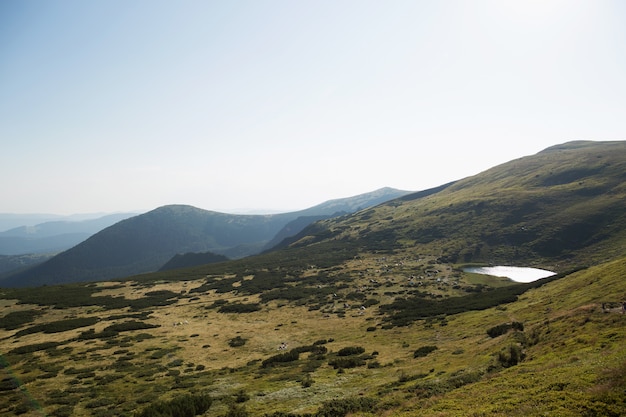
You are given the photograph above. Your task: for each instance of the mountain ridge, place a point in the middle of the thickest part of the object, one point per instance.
(146, 242)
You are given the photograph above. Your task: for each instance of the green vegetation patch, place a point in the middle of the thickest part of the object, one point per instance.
(237, 341)
(59, 326)
(16, 319)
(34, 347)
(424, 351)
(130, 326)
(347, 362)
(239, 308)
(404, 311)
(81, 295)
(503, 328)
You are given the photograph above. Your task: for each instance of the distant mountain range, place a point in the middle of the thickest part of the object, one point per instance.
(33, 243)
(562, 206)
(148, 241)
(53, 236)
(14, 220)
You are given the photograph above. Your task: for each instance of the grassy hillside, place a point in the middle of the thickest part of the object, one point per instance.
(306, 345)
(559, 208)
(368, 314)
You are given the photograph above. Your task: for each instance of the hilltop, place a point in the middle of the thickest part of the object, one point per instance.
(369, 313)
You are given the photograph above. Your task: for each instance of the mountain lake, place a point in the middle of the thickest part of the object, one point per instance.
(514, 273)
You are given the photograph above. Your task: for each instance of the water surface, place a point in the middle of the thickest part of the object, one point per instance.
(514, 273)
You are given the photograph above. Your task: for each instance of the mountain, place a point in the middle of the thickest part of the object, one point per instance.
(333, 208)
(370, 313)
(562, 206)
(54, 236)
(192, 259)
(13, 220)
(11, 263)
(146, 242)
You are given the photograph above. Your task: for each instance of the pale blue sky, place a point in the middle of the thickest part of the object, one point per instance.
(228, 105)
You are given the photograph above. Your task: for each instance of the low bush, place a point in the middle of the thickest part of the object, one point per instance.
(347, 362)
(185, 406)
(34, 347)
(314, 349)
(129, 326)
(351, 350)
(16, 319)
(503, 328)
(237, 341)
(237, 411)
(511, 356)
(423, 351)
(59, 326)
(342, 407)
(239, 308)
(91, 334)
(290, 356)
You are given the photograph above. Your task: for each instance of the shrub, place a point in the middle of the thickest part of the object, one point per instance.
(511, 356)
(63, 411)
(59, 326)
(16, 319)
(129, 326)
(347, 362)
(341, 407)
(237, 411)
(314, 349)
(34, 347)
(423, 351)
(91, 334)
(241, 396)
(237, 341)
(185, 406)
(290, 356)
(503, 328)
(8, 384)
(498, 330)
(175, 362)
(351, 350)
(239, 308)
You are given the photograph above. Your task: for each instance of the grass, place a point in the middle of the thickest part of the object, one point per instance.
(573, 353)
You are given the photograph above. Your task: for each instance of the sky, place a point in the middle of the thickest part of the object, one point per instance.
(128, 105)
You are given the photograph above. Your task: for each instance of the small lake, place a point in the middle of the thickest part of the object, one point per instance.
(514, 273)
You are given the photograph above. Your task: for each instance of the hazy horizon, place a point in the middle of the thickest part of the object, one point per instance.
(121, 106)
(234, 210)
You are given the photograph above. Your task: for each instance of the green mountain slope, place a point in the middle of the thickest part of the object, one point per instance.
(561, 207)
(192, 259)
